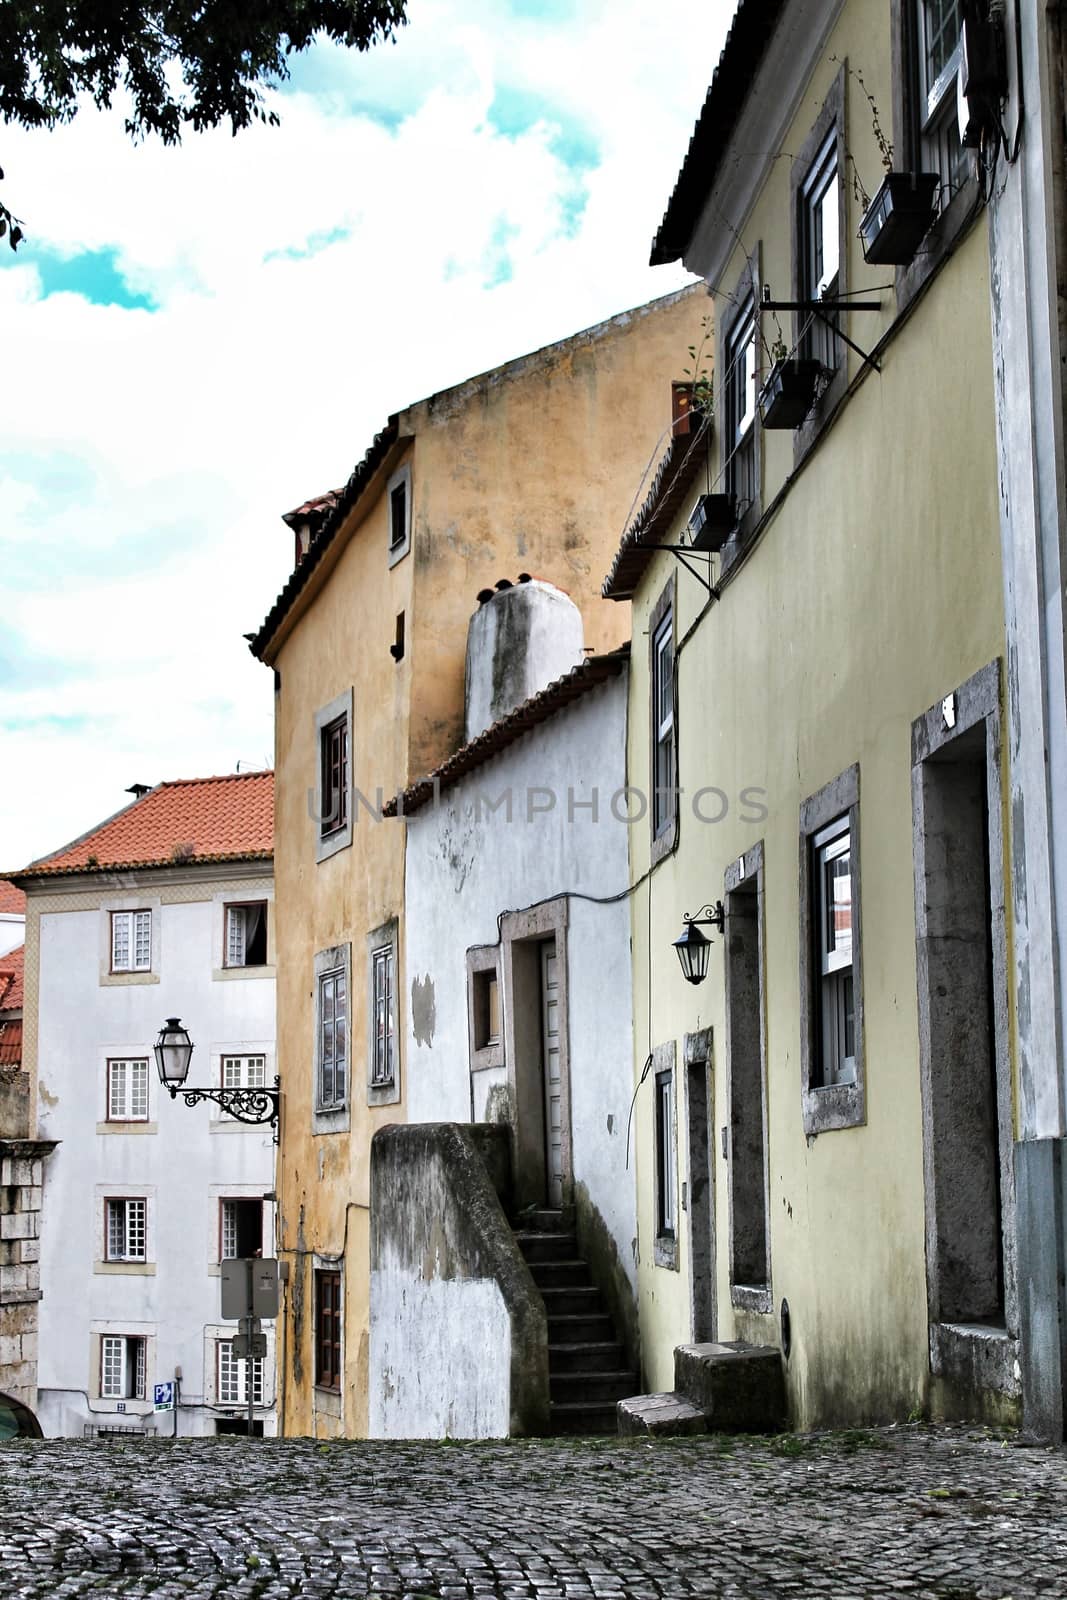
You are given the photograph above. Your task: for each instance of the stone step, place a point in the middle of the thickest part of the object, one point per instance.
(739, 1387)
(579, 1328)
(571, 1302)
(546, 1246)
(661, 1414)
(591, 1387)
(603, 1355)
(561, 1275)
(541, 1220)
(567, 1416)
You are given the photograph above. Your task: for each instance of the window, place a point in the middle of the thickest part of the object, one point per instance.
(246, 935)
(663, 805)
(240, 1229)
(398, 515)
(123, 1367)
(126, 1230)
(233, 1376)
(831, 945)
(328, 1329)
(485, 1020)
(333, 1039)
(739, 405)
(333, 750)
(383, 1044)
(486, 1010)
(665, 1207)
(820, 251)
(836, 1018)
(131, 941)
(127, 1090)
(939, 25)
(242, 1072)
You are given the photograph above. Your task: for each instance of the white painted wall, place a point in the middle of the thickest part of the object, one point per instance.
(441, 1355)
(518, 643)
(463, 871)
(183, 1160)
(12, 931)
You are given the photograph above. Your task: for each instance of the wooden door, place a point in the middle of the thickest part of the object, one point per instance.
(552, 1079)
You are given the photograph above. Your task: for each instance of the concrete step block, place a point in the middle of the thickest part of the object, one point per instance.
(662, 1414)
(739, 1387)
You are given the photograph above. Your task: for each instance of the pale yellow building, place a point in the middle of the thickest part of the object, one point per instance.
(528, 468)
(825, 1126)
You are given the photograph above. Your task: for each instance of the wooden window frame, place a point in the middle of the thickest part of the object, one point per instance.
(140, 1360)
(334, 755)
(334, 1101)
(252, 1368)
(329, 1323)
(125, 1201)
(132, 965)
(127, 1115)
(245, 905)
(663, 798)
(239, 1200)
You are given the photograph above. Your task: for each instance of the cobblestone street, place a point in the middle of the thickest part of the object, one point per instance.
(910, 1511)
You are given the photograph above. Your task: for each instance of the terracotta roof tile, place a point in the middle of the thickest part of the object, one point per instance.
(686, 455)
(11, 972)
(192, 819)
(10, 1044)
(585, 676)
(12, 900)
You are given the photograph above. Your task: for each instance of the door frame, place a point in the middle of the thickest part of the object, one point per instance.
(521, 935)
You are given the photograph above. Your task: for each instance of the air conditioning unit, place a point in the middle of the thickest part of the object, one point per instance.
(982, 82)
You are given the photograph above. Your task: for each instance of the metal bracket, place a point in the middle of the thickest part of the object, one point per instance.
(821, 308)
(682, 551)
(245, 1105)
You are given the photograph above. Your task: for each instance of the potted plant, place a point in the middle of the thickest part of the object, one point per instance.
(712, 522)
(790, 389)
(899, 217)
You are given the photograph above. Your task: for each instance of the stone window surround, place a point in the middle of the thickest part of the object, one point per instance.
(342, 705)
(126, 1052)
(217, 1192)
(102, 1193)
(959, 1352)
(962, 209)
(402, 475)
(129, 902)
(327, 1402)
(664, 842)
(839, 1105)
(220, 972)
(548, 921)
(831, 116)
(129, 1329)
(217, 1333)
(483, 959)
(218, 1121)
(665, 1245)
(745, 870)
(331, 1119)
(387, 934)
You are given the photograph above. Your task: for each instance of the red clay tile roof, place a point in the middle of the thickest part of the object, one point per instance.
(193, 819)
(585, 676)
(12, 900)
(11, 970)
(686, 455)
(313, 510)
(11, 1043)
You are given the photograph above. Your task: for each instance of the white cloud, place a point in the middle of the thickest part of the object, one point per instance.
(309, 280)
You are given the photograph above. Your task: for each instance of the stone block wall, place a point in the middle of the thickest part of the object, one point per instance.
(21, 1176)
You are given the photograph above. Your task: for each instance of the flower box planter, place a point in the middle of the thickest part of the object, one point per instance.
(713, 521)
(789, 393)
(899, 218)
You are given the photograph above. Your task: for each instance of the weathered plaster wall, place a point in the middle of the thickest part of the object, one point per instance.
(21, 1180)
(528, 468)
(183, 1160)
(873, 593)
(468, 864)
(518, 641)
(458, 1335)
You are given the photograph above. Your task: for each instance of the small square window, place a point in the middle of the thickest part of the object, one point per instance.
(487, 1023)
(246, 935)
(131, 941)
(241, 1072)
(123, 1367)
(127, 1090)
(126, 1230)
(234, 1376)
(328, 1329)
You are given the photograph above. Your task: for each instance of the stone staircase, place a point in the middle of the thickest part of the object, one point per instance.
(587, 1369)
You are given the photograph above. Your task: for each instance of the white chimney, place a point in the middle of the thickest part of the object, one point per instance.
(522, 637)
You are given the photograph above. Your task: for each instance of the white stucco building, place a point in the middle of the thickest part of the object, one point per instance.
(517, 969)
(165, 910)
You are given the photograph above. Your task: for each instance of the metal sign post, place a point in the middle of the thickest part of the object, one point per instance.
(249, 1292)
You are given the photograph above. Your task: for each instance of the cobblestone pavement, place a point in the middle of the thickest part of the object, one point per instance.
(915, 1511)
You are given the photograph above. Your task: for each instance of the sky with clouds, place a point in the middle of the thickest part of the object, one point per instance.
(196, 339)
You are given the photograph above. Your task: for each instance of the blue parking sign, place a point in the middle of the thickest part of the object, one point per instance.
(164, 1396)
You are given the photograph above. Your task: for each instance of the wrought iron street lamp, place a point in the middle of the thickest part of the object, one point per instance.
(693, 946)
(174, 1051)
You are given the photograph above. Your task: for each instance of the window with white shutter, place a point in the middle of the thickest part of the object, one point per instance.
(246, 935)
(123, 1367)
